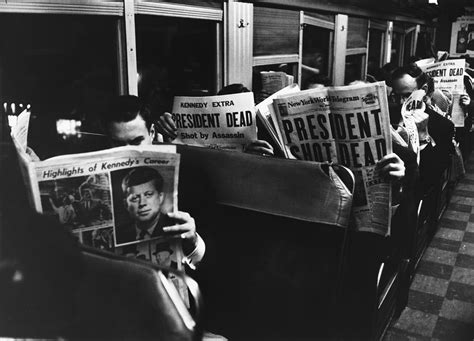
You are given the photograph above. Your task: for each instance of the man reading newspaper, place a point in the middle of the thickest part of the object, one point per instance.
(127, 122)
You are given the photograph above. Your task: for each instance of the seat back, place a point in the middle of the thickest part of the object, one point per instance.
(275, 232)
(121, 298)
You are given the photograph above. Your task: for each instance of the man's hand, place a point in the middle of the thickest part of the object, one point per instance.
(185, 226)
(464, 100)
(259, 147)
(391, 166)
(166, 127)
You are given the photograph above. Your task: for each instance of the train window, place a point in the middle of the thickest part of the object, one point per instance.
(65, 67)
(375, 53)
(276, 31)
(355, 68)
(175, 56)
(357, 32)
(408, 51)
(396, 47)
(317, 53)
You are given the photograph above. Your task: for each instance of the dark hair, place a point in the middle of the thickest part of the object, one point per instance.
(414, 71)
(163, 247)
(141, 175)
(316, 79)
(235, 88)
(125, 108)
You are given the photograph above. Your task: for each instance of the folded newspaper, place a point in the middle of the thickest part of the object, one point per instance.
(348, 125)
(448, 75)
(114, 200)
(222, 122)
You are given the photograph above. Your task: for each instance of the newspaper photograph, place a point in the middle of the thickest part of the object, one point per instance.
(222, 122)
(348, 125)
(449, 75)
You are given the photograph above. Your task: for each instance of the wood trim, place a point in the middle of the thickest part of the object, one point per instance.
(275, 59)
(377, 26)
(309, 20)
(219, 68)
(300, 48)
(121, 59)
(131, 50)
(356, 50)
(340, 44)
(340, 9)
(388, 43)
(99, 8)
(179, 11)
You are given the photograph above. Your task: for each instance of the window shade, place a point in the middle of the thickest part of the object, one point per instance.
(276, 31)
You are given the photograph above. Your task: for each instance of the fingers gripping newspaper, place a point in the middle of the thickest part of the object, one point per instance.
(348, 125)
(115, 200)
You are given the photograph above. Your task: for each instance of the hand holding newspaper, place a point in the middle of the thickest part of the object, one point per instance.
(348, 125)
(116, 200)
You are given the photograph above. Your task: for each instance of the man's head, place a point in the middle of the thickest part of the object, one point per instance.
(407, 79)
(86, 194)
(143, 191)
(128, 122)
(163, 254)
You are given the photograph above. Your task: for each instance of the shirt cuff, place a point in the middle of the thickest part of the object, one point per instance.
(195, 256)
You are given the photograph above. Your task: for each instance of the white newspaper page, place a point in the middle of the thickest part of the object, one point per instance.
(20, 129)
(360, 119)
(305, 125)
(224, 122)
(266, 113)
(449, 75)
(116, 200)
(273, 81)
(415, 121)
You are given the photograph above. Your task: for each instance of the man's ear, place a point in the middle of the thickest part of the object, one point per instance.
(162, 198)
(425, 88)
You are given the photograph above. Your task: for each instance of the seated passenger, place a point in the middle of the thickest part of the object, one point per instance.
(167, 128)
(128, 122)
(434, 155)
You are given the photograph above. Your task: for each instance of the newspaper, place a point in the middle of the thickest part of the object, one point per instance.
(266, 114)
(20, 128)
(348, 125)
(114, 200)
(273, 81)
(449, 75)
(415, 121)
(224, 122)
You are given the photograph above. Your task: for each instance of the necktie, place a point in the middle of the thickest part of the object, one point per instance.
(143, 234)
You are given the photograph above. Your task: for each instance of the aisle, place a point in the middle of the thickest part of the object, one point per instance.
(441, 301)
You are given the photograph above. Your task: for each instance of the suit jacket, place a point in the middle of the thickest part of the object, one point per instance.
(127, 233)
